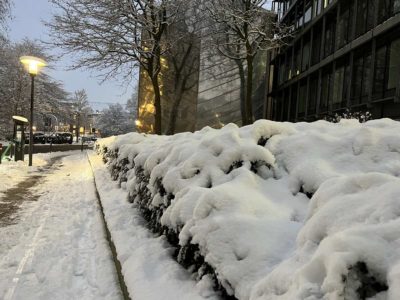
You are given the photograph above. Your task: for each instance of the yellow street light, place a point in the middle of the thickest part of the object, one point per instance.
(33, 65)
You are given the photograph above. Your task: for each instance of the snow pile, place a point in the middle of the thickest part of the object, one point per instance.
(274, 210)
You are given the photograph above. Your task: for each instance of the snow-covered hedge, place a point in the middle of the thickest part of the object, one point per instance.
(274, 210)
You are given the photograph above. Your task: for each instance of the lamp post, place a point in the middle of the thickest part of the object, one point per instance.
(32, 64)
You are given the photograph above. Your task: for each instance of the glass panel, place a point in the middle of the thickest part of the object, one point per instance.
(346, 85)
(288, 68)
(383, 10)
(302, 100)
(293, 104)
(326, 90)
(344, 24)
(313, 95)
(297, 62)
(281, 71)
(396, 6)
(306, 56)
(319, 7)
(379, 78)
(394, 65)
(366, 76)
(357, 80)
(361, 17)
(370, 14)
(330, 36)
(316, 49)
(338, 87)
(285, 107)
(307, 15)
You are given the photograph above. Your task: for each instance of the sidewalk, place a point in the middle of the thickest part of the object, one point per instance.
(53, 244)
(149, 270)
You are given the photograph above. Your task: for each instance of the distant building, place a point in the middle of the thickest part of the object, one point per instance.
(214, 98)
(343, 54)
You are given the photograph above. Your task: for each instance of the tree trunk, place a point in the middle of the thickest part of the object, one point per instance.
(157, 104)
(249, 91)
(242, 77)
(174, 110)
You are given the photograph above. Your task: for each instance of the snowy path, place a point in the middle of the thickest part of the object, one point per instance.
(57, 248)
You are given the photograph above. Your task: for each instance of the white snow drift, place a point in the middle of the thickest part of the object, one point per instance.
(278, 210)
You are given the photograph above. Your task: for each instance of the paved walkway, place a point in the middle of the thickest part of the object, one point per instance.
(13, 199)
(52, 239)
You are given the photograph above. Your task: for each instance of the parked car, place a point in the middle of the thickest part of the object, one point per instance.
(38, 138)
(66, 137)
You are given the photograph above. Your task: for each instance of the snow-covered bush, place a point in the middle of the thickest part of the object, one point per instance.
(361, 116)
(273, 210)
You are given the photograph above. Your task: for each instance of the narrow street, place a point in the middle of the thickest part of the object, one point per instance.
(53, 244)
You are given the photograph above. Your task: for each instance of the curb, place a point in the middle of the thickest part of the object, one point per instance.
(111, 244)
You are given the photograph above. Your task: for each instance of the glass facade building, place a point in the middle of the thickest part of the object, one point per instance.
(340, 54)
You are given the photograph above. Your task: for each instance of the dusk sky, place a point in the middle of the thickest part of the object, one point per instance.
(27, 22)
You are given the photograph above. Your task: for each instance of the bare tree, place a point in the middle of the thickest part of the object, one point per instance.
(114, 120)
(5, 7)
(116, 36)
(183, 59)
(240, 29)
(15, 85)
(80, 109)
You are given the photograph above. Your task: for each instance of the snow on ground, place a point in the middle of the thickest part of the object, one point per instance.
(149, 271)
(273, 210)
(57, 249)
(12, 172)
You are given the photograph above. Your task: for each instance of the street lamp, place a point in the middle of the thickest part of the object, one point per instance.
(33, 65)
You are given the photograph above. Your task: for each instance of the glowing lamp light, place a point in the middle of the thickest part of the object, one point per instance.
(150, 108)
(32, 64)
(138, 123)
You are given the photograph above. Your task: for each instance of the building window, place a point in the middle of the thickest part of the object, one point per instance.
(305, 61)
(330, 35)
(316, 49)
(299, 17)
(344, 23)
(278, 108)
(308, 12)
(326, 89)
(293, 104)
(297, 60)
(288, 67)
(341, 84)
(365, 16)
(317, 7)
(281, 70)
(394, 65)
(387, 66)
(285, 107)
(361, 77)
(381, 58)
(387, 8)
(301, 108)
(313, 95)
(338, 87)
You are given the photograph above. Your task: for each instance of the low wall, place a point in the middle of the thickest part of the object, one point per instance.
(39, 148)
(55, 148)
